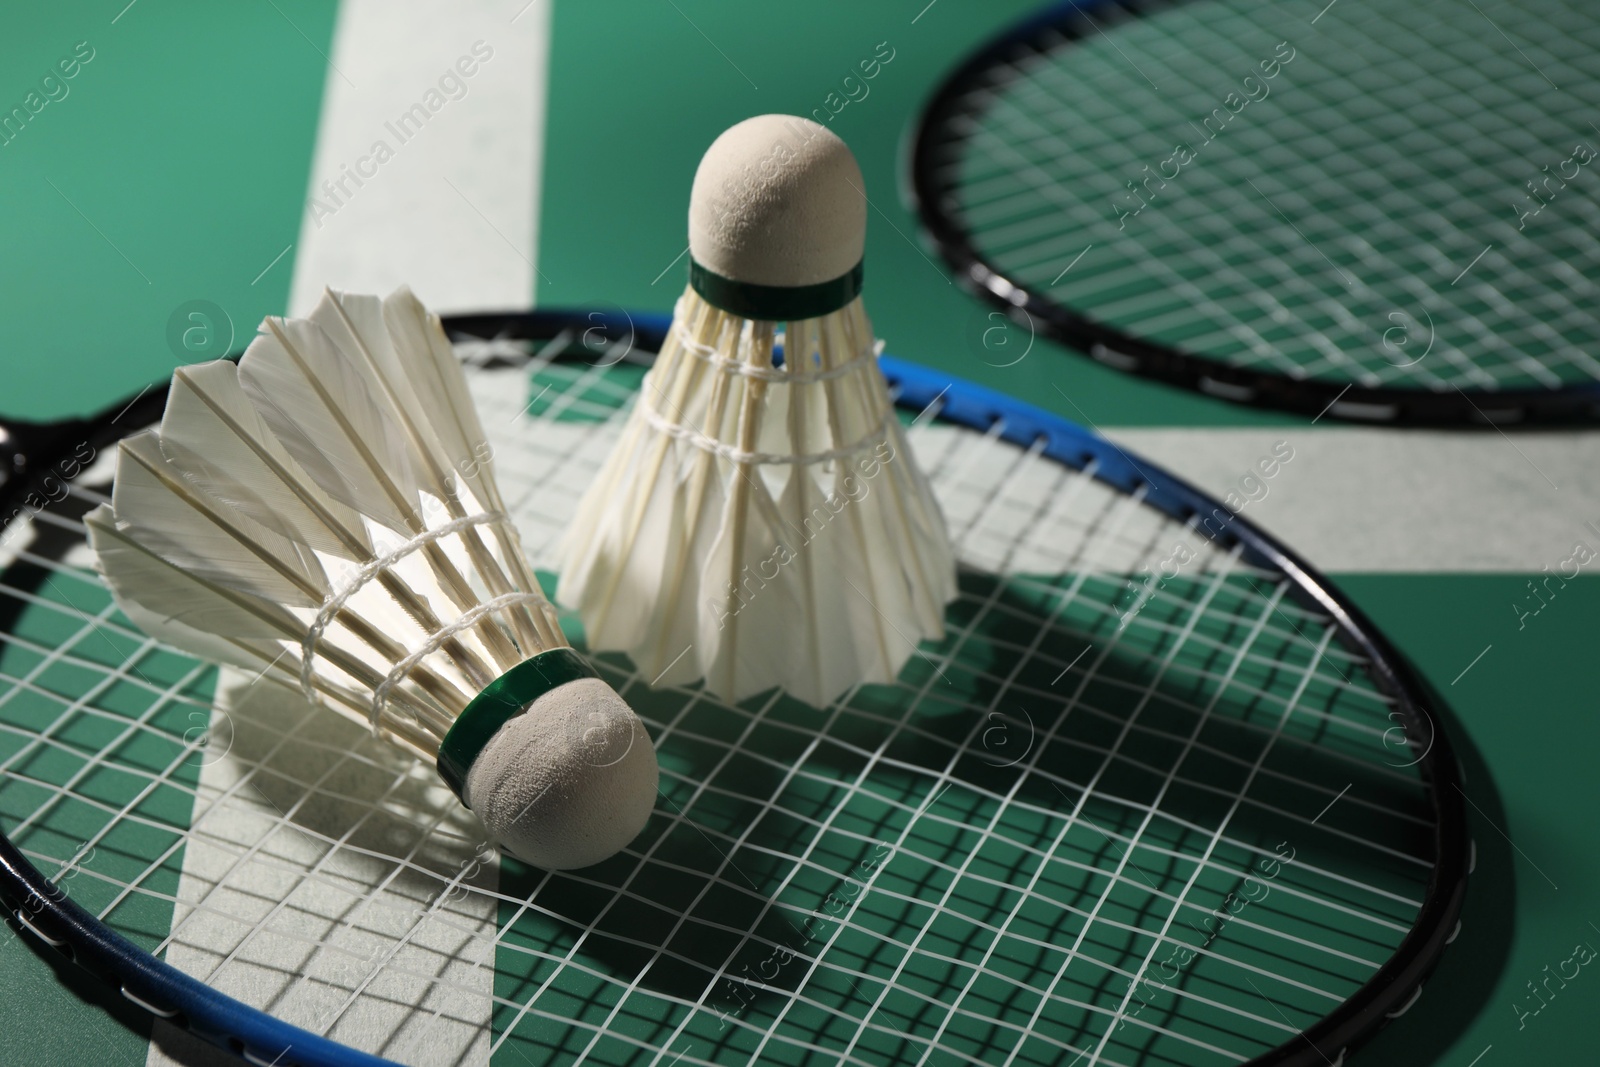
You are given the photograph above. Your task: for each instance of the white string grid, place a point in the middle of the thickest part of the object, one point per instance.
(1324, 229)
(996, 860)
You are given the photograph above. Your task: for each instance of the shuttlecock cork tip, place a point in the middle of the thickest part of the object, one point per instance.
(778, 202)
(568, 782)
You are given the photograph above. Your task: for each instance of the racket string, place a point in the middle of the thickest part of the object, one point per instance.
(1413, 236)
(937, 471)
(996, 504)
(1216, 837)
(718, 974)
(314, 785)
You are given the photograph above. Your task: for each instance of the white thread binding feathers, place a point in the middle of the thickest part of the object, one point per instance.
(758, 523)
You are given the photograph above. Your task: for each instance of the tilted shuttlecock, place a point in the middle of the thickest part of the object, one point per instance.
(326, 512)
(761, 521)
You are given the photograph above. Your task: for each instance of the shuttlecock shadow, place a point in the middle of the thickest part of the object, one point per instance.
(314, 828)
(337, 786)
(679, 911)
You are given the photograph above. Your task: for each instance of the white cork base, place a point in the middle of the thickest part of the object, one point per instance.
(570, 781)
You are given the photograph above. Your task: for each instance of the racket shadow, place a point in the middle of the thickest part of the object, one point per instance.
(1238, 813)
(1040, 794)
(1456, 996)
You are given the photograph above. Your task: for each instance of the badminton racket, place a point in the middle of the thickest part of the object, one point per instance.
(1381, 212)
(1161, 796)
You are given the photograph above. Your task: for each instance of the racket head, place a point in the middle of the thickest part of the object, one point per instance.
(1225, 761)
(1321, 244)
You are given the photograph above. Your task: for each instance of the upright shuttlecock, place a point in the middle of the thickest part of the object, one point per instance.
(326, 512)
(761, 521)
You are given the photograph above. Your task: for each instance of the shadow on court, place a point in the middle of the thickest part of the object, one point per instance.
(1040, 766)
(1459, 989)
(1052, 799)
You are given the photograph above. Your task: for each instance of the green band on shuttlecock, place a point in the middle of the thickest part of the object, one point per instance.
(501, 701)
(775, 303)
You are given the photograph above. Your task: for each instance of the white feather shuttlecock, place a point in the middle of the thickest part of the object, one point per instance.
(325, 513)
(761, 521)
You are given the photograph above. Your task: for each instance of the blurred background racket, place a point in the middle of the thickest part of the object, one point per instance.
(1378, 211)
(1161, 796)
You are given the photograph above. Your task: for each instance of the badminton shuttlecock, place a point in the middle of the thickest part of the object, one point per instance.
(325, 512)
(761, 521)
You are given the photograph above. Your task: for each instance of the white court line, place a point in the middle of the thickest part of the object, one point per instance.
(1361, 499)
(468, 249)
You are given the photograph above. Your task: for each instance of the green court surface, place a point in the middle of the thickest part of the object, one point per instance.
(176, 169)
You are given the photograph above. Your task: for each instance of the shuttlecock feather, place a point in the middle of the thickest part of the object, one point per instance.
(761, 521)
(309, 515)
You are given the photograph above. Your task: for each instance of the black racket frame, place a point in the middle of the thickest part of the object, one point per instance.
(929, 198)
